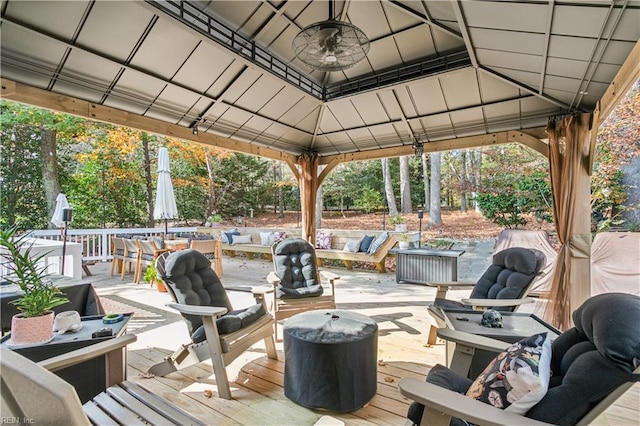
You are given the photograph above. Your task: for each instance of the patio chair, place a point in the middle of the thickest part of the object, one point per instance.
(117, 251)
(217, 330)
(503, 286)
(32, 393)
(592, 365)
(131, 258)
(149, 252)
(297, 281)
(212, 249)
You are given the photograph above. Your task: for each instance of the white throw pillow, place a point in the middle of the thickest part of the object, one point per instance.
(241, 239)
(223, 235)
(267, 238)
(352, 246)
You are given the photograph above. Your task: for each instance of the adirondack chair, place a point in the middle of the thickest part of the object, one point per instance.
(591, 364)
(296, 280)
(32, 393)
(502, 287)
(217, 330)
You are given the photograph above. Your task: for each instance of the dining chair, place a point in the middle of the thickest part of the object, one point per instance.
(131, 258)
(212, 250)
(149, 252)
(117, 251)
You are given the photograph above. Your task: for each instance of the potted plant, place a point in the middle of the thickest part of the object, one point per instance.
(215, 220)
(404, 241)
(398, 221)
(151, 276)
(34, 323)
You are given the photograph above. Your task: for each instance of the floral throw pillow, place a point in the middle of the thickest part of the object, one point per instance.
(518, 378)
(279, 236)
(323, 240)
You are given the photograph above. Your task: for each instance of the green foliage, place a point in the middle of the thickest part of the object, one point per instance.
(503, 209)
(29, 273)
(150, 274)
(369, 201)
(396, 219)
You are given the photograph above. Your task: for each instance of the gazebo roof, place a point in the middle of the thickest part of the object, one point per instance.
(436, 70)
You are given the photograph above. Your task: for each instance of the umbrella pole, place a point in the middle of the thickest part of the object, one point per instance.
(64, 246)
(166, 229)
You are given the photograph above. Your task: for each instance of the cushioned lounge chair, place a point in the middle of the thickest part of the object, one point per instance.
(592, 365)
(217, 330)
(503, 286)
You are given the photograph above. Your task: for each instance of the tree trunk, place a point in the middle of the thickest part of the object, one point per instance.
(463, 182)
(388, 188)
(148, 182)
(319, 206)
(435, 215)
(211, 204)
(405, 188)
(425, 182)
(477, 167)
(49, 169)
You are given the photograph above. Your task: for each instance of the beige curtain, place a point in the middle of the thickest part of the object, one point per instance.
(568, 153)
(308, 192)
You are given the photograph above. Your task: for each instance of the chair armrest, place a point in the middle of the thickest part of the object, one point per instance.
(330, 276)
(273, 279)
(484, 303)
(209, 311)
(457, 405)
(262, 290)
(443, 286)
(84, 354)
(473, 340)
(451, 284)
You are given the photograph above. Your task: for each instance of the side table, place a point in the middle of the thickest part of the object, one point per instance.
(90, 377)
(330, 359)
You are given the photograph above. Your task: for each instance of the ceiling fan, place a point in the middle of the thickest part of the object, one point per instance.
(331, 45)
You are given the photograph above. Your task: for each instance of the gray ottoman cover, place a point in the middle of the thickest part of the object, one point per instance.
(330, 359)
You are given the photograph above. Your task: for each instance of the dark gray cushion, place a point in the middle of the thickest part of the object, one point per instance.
(295, 263)
(445, 378)
(191, 281)
(366, 243)
(511, 273)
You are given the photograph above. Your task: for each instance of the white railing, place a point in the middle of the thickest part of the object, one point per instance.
(96, 243)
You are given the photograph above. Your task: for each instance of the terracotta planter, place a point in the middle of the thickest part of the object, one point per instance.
(160, 286)
(31, 331)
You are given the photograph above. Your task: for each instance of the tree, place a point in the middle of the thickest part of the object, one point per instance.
(435, 215)
(405, 188)
(425, 182)
(388, 187)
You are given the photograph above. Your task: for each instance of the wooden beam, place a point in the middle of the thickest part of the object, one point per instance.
(627, 75)
(530, 137)
(25, 94)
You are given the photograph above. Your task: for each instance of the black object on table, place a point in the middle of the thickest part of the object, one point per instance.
(330, 359)
(90, 377)
(82, 298)
(418, 266)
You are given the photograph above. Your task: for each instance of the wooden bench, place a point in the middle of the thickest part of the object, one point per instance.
(250, 250)
(340, 238)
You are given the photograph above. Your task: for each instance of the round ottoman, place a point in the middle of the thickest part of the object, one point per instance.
(330, 359)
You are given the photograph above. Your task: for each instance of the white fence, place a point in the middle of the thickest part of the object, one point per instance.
(96, 243)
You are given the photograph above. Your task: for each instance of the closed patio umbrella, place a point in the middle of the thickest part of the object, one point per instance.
(60, 218)
(61, 203)
(165, 207)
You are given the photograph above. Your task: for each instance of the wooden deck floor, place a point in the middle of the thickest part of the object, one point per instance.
(257, 382)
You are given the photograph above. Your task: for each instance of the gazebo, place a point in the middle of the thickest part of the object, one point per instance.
(429, 76)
